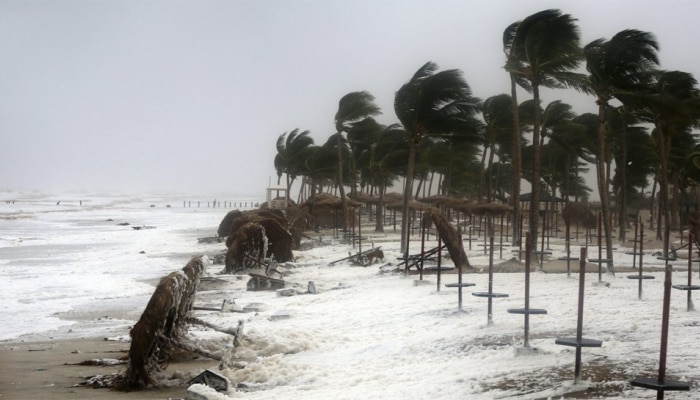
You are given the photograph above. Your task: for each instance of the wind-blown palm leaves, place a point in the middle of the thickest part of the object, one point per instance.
(619, 68)
(498, 136)
(291, 147)
(673, 106)
(433, 103)
(542, 51)
(353, 108)
(385, 158)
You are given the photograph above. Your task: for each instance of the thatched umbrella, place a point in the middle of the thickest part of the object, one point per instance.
(365, 198)
(579, 213)
(227, 223)
(491, 209)
(393, 197)
(414, 205)
(247, 247)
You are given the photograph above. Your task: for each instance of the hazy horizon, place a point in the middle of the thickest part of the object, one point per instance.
(191, 96)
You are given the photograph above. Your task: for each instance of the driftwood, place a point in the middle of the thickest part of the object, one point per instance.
(452, 239)
(262, 282)
(162, 322)
(364, 258)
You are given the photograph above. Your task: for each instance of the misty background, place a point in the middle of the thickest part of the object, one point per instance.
(191, 96)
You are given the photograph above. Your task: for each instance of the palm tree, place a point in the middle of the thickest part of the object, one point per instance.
(617, 68)
(432, 104)
(498, 117)
(542, 51)
(387, 160)
(352, 108)
(361, 136)
(290, 146)
(321, 165)
(673, 106)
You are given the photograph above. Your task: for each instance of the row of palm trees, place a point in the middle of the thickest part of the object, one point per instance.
(478, 148)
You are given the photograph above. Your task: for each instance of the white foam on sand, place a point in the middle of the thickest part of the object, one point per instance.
(366, 333)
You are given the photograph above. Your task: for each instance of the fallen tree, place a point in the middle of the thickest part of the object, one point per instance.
(451, 237)
(161, 324)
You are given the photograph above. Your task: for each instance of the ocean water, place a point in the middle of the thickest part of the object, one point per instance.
(67, 258)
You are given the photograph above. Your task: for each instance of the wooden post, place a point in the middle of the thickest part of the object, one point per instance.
(579, 322)
(528, 250)
(490, 299)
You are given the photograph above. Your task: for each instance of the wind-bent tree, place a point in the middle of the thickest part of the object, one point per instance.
(290, 146)
(498, 136)
(432, 104)
(557, 122)
(320, 165)
(616, 67)
(387, 160)
(673, 106)
(361, 136)
(352, 108)
(542, 51)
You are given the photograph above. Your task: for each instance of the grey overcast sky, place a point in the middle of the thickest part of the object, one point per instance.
(191, 96)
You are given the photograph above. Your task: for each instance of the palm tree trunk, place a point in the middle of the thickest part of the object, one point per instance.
(603, 185)
(408, 190)
(489, 178)
(482, 167)
(420, 185)
(379, 226)
(533, 217)
(341, 187)
(517, 166)
(622, 201)
(663, 183)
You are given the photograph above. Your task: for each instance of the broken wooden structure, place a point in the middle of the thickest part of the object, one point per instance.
(362, 258)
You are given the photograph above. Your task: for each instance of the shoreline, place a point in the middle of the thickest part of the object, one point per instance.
(41, 370)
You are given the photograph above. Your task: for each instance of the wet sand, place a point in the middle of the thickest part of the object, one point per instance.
(39, 370)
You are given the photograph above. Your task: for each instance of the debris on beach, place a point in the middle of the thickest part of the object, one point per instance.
(254, 236)
(161, 326)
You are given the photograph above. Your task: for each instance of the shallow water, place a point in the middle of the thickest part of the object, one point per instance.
(61, 255)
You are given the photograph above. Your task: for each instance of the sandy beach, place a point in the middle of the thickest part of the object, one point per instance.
(361, 334)
(40, 370)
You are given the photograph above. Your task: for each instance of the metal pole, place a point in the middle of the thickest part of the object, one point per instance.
(490, 299)
(579, 324)
(641, 258)
(690, 270)
(439, 260)
(665, 317)
(528, 246)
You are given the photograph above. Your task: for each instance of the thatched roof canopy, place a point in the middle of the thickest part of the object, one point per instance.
(491, 209)
(365, 198)
(579, 213)
(414, 205)
(328, 200)
(393, 197)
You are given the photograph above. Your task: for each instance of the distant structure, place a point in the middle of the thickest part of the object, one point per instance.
(279, 201)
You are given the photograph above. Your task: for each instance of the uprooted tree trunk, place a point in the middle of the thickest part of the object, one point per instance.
(452, 239)
(162, 322)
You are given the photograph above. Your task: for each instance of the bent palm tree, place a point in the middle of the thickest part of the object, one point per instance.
(432, 104)
(290, 145)
(542, 51)
(352, 108)
(617, 67)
